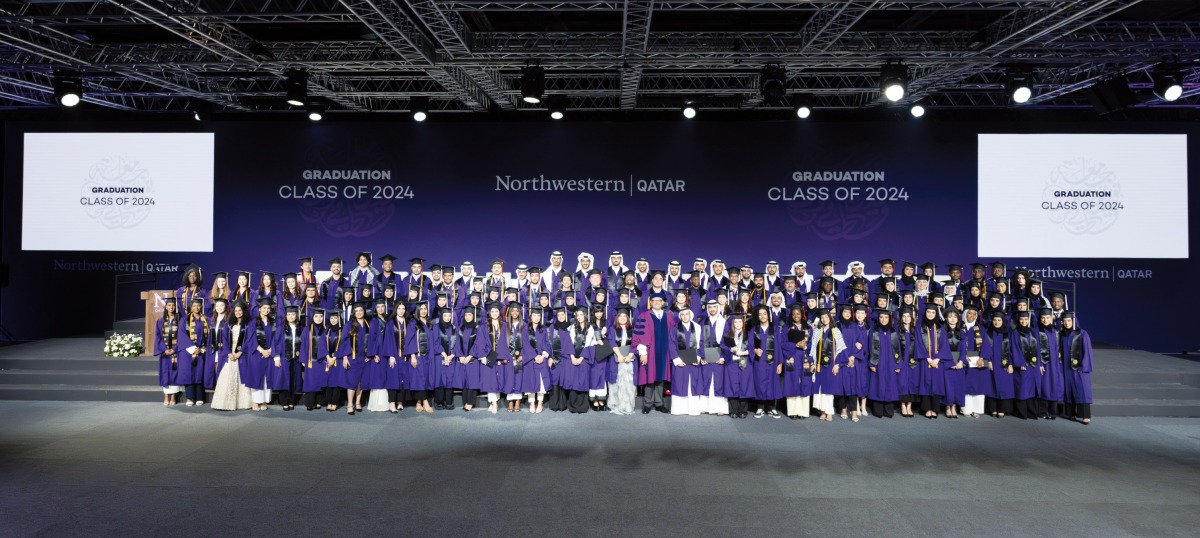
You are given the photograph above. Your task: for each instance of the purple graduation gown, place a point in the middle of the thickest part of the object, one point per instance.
(688, 376)
(1053, 383)
(375, 366)
(280, 377)
(419, 377)
(354, 344)
(1026, 345)
(254, 365)
(335, 342)
(489, 378)
(823, 346)
(712, 374)
(856, 378)
(884, 383)
(218, 353)
(445, 341)
(392, 345)
(643, 335)
(166, 338)
(999, 352)
(956, 380)
(1077, 354)
(932, 342)
(314, 348)
(534, 376)
(187, 373)
(797, 381)
(738, 382)
(466, 376)
(978, 380)
(577, 377)
(766, 380)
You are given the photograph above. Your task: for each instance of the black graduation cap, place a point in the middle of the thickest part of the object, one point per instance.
(1033, 281)
(931, 306)
(598, 307)
(292, 309)
(828, 279)
(535, 269)
(857, 291)
(380, 301)
(681, 291)
(955, 298)
(221, 274)
(658, 272)
(789, 278)
(696, 274)
(974, 284)
(828, 263)
(338, 261)
(334, 313)
(306, 259)
(909, 265)
(907, 292)
(1059, 294)
(389, 286)
(860, 307)
(954, 267)
(810, 295)
(622, 308)
(241, 273)
(1045, 311)
(511, 290)
(970, 306)
(266, 301)
(977, 265)
(416, 261)
(921, 277)
(760, 275)
(907, 308)
(887, 261)
(594, 271)
(497, 261)
(289, 275)
(1024, 314)
(887, 279)
(310, 286)
(364, 288)
(435, 268)
(936, 295)
(235, 304)
(1003, 279)
(928, 265)
(1023, 300)
(796, 306)
(443, 295)
(1068, 314)
(998, 314)
(820, 312)
(318, 311)
(997, 265)
(218, 300)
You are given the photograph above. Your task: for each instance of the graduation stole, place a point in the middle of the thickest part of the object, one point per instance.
(336, 345)
(822, 360)
(312, 342)
(169, 335)
(239, 295)
(768, 343)
(237, 344)
(493, 333)
(189, 293)
(931, 343)
(192, 328)
(217, 331)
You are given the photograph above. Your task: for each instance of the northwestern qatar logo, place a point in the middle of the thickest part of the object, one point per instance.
(1083, 196)
(120, 176)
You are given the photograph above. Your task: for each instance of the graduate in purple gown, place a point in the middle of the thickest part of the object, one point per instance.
(330, 289)
(265, 341)
(166, 346)
(354, 357)
(932, 352)
(855, 335)
(192, 288)
(998, 350)
(375, 367)
(849, 361)
(445, 360)
(194, 335)
(622, 390)
(575, 373)
(309, 303)
(978, 379)
(797, 367)
(491, 347)
(291, 293)
(955, 373)
(418, 358)
(387, 275)
(510, 368)
(363, 274)
(739, 376)
(1077, 356)
(1053, 381)
(314, 349)
(826, 348)
(267, 291)
(283, 377)
(906, 328)
(561, 350)
(535, 376)
(885, 362)
(218, 350)
(765, 360)
(467, 376)
(220, 290)
(686, 375)
(602, 361)
(396, 333)
(335, 338)
(241, 291)
(1028, 348)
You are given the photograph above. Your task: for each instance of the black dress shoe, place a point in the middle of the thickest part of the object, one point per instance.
(393, 411)
(449, 407)
(661, 409)
(310, 408)
(351, 413)
(645, 410)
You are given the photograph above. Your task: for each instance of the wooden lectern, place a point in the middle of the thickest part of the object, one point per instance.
(154, 307)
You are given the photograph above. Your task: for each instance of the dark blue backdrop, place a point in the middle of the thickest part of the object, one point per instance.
(456, 212)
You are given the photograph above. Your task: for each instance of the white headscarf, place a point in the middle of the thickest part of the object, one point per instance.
(808, 278)
(850, 267)
(622, 266)
(579, 261)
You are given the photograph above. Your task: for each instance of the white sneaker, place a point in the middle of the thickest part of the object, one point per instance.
(759, 414)
(774, 413)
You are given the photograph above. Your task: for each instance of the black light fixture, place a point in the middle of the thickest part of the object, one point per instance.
(315, 111)
(893, 80)
(260, 52)
(1019, 84)
(419, 106)
(802, 104)
(773, 84)
(1167, 84)
(296, 83)
(200, 109)
(533, 83)
(558, 106)
(68, 88)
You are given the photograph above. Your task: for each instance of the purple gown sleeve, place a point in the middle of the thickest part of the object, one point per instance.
(1018, 354)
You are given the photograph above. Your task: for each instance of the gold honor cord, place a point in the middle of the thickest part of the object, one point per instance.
(192, 327)
(820, 351)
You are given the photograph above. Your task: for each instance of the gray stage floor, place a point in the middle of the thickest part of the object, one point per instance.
(72, 468)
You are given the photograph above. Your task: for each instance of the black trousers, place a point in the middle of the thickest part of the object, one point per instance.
(995, 405)
(444, 396)
(739, 406)
(194, 392)
(419, 395)
(1026, 409)
(558, 399)
(577, 401)
(931, 403)
(841, 403)
(907, 398)
(766, 406)
(1080, 411)
(310, 398)
(469, 397)
(883, 409)
(285, 396)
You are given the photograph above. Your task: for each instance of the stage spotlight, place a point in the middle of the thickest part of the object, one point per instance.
(1019, 85)
(1166, 82)
(773, 84)
(419, 107)
(315, 112)
(296, 83)
(558, 106)
(689, 110)
(917, 110)
(533, 84)
(893, 81)
(803, 105)
(200, 109)
(68, 89)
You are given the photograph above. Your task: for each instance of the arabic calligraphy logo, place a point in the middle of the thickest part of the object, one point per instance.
(118, 171)
(1083, 175)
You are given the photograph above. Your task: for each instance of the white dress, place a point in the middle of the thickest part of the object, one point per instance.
(230, 393)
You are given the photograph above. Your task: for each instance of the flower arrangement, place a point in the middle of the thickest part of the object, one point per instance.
(124, 345)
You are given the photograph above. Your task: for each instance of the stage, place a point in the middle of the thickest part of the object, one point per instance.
(129, 469)
(1126, 382)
